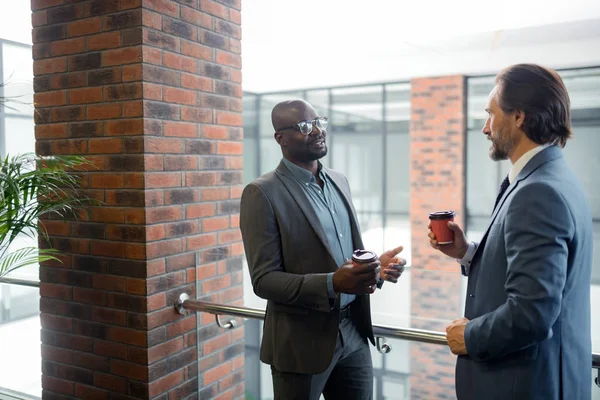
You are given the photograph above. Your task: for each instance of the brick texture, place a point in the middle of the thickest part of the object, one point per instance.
(150, 92)
(437, 178)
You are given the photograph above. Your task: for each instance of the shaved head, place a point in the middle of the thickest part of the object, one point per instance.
(301, 149)
(291, 112)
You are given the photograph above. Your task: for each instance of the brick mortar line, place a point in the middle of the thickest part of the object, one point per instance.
(146, 278)
(120, 376)
(141, 24)
(195, 9)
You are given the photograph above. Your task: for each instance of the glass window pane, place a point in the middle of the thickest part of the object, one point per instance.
(20, 324)
(17, 78)
(270, 155)
(250, 114)
(250, 160)
(372, 232)
(483, 174)
(478, 90)
(357, 109)
(19, 135)
(397, 107)
(398, 173)
(319, 99)
(596, 267)
(581, 155)
(357, 157)
(397, 232)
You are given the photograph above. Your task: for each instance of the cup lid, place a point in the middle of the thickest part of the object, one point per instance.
(441, 214)
(363, 256)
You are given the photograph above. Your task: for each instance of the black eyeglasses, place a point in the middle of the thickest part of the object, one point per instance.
(306, 127)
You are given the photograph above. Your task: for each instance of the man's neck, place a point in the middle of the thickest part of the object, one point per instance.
(523, 147)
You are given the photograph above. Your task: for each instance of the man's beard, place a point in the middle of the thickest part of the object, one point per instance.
(502, 145)
(312, 155)
(317, 155)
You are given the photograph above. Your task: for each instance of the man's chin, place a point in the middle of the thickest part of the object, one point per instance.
(497, 155)
(317, 155)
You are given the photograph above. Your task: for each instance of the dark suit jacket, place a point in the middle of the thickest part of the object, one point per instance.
(289, 259)
(528, 295)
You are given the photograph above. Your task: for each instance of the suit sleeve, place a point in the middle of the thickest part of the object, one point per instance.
(538, 228)
(262, 244)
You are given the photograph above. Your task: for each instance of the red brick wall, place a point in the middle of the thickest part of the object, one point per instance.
(437, 176)
(150, 91)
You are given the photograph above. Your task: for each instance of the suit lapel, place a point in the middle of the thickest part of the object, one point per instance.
(549, 154)
(300, 197)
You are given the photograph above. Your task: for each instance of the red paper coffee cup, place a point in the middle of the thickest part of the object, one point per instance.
(439, 226)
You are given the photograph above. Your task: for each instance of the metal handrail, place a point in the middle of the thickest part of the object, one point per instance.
(20, 282)
(184, 303)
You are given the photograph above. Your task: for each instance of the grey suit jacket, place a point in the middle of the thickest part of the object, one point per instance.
(528, 296)
(289, 258)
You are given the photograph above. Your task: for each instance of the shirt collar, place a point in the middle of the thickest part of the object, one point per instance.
(522, 162)
(301, 174)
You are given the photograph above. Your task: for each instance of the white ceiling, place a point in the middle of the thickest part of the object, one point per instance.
(290, 44)
(295, 44)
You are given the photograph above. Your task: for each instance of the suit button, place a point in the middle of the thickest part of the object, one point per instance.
(471, 295)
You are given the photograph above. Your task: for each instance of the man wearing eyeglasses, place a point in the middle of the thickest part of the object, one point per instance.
(300, 229)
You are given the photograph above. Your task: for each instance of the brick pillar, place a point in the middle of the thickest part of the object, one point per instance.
(437, 176)
(150, 91)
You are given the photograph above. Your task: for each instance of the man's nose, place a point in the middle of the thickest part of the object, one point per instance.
(486, 127)
(316, 130)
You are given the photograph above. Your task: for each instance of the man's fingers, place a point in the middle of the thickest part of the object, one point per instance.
(394, 251)
(397, 261)
(366, 268)
(363, 279)
(453, 226)
(392, 273)
(370, 281)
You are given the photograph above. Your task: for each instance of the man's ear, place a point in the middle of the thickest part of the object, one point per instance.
(279, 138)
(519, 118)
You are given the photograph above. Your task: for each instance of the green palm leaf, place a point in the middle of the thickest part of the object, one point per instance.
(33, 188)
(25, 256)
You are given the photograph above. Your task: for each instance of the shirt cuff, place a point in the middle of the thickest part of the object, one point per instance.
(465, 262)
(330, 292)
(379, 281)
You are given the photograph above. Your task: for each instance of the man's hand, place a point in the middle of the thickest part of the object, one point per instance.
(355, 280)
(457, 249)
(392, 266)
(455, 335)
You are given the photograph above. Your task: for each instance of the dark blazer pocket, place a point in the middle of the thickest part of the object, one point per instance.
(284, 308)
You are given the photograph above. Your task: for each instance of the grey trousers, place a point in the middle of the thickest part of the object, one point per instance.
(348, 377)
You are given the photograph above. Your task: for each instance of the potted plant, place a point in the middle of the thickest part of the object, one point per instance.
(32, 187)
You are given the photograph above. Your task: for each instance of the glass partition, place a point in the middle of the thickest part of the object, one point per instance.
(20, 369)
(20, 345)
